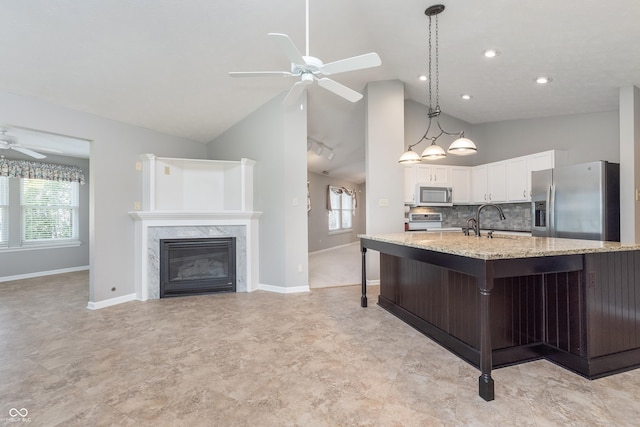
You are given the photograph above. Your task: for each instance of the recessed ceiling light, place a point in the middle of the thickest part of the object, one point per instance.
(466, 96)
(543, 80)
(423, 78)
(491, 53)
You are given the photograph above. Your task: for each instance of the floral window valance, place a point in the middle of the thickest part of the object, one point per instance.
(340, 190)
(39, 170)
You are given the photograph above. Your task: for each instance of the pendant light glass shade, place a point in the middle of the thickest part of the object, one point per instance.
(409, 157)
(462, 147)
(433, 152)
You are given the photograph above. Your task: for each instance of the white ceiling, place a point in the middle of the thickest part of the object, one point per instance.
(162, 64)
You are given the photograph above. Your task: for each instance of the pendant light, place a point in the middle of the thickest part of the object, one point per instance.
(461, 146)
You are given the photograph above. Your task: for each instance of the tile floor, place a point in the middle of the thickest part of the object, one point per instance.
(263, 359)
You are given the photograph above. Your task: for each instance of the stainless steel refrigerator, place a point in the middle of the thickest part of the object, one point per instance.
(577, 202)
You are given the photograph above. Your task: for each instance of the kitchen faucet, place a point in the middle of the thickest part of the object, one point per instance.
(502, 217)
(473, 227)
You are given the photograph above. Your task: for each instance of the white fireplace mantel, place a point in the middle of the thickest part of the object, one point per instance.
(151, 226)
(194, 198)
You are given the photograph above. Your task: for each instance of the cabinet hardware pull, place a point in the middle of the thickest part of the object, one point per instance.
(524, 193)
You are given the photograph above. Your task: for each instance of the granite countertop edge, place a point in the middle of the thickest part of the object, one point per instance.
(499, 247)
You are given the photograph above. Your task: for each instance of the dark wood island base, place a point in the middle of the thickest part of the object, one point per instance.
(578, 310)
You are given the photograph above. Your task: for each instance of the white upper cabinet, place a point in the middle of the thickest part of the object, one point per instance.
(432, 175)
(460, 179)
(409, 184)
(496, 182)
(519, 174)
(479, 184)
(488, 183)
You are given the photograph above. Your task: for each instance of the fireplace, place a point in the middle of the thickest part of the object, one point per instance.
(197, 266)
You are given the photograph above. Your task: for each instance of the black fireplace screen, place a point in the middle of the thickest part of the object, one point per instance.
(197, 266)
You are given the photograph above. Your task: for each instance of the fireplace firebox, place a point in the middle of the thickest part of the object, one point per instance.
(197, 266)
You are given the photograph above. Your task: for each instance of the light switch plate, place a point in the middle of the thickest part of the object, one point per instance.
(383, 202)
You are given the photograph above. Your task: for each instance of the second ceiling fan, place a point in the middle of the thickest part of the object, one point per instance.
(310, 68)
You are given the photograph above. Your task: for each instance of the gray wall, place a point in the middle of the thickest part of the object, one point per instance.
(319, 237)
(415, 125)
(276, 138)
(27, 262)
(585, 137)
(114, 184)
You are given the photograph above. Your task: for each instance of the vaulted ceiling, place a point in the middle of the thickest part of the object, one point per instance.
(163, 64)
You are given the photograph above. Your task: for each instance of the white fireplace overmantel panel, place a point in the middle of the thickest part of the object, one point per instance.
(150, 227)
(194, 198)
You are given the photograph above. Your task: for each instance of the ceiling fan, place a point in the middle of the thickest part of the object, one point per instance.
(309, 68)
(7, 143)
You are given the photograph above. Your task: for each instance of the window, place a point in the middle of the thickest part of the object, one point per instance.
(342, 204)
(4, 211)
(49, 210)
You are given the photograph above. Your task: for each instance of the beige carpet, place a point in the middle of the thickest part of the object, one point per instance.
(339, 266)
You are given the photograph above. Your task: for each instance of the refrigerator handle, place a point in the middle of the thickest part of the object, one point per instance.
(551, 211)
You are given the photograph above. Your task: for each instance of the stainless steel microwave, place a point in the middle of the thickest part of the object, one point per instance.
(433, 196)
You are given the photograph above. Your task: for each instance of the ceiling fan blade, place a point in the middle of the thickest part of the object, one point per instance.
(294, 93)
(340, 89)
(367, 60)
(260, 74)
(29, 152)
(288, 48)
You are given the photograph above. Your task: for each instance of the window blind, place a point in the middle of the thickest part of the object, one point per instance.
(49, 210)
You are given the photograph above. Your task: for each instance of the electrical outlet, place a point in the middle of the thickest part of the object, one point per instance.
(295, 201)
(383, 202)
(299, 268)
(136, 206)
(138, 166)
(167, 170)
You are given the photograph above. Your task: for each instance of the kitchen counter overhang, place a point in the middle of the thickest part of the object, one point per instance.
(439, 260)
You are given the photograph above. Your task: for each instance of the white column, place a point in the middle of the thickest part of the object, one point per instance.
(630, 164)
(384, 175)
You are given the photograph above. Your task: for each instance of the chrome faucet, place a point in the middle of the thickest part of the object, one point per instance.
(473, 227)
(502, 217)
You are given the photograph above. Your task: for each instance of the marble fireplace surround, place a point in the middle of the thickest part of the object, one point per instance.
(153, 226)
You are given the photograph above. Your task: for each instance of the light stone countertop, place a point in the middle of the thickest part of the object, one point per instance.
(500, 246)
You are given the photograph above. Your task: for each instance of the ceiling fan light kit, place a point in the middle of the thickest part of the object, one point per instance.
(461, 146)
(310, 69)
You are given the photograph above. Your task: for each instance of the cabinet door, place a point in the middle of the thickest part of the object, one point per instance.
(409, 184)
(440, 175)
(479, 184)
(460, 182)
(432, 175)
(518, 180)
(496, 185)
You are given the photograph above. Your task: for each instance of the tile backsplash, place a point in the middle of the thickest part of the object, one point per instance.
(518, 216)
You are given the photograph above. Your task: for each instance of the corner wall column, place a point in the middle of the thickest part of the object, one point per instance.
(629, 164)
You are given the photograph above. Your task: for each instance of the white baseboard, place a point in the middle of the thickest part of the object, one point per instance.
(282, 289)
(375, 282)
(43, 273)
(357, 242)
(109, 302)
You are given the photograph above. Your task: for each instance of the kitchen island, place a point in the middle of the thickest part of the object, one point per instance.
(512, 299)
